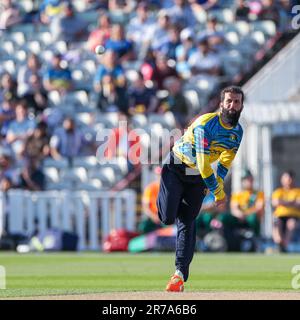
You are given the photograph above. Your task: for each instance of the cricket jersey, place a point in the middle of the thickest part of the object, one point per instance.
(292, 195)
(205, 141)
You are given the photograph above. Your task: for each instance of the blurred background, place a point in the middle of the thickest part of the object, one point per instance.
(162, 63)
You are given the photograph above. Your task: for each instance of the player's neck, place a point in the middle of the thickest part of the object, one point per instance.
(224, 123)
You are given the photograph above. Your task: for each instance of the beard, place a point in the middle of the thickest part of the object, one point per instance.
(231, 117)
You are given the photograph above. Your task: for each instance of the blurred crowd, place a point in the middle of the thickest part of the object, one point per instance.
(152, 50)
(238, 226)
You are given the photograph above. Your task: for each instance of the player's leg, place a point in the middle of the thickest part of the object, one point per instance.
(253, 223)
(169, 196)
(186, 226)
(291, 225)
(279, 232)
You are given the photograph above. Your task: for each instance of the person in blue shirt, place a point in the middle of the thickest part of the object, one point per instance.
(141, 99)
(19, 129)
(7, 114)
(119, 44)
(110, 83)
(57, 77)
(69, 26)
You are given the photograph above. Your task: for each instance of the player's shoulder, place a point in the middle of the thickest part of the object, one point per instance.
(260, 193)
(206, 118)
(278, 192)
(239, 128)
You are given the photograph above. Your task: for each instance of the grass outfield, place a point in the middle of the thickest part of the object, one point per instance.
(60, 274)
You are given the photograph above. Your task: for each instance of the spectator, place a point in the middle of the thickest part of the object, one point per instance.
(32, 178)
(169, 48)
(101, 34)
(20, 129)
(7, 169)
(6, 184)
(8, 87)
(203, 5)
(150, 222)
(120, 10)
(7, 114)
(58, 77)
(269, 11)
(247, 206)
(30, 84)
(123, 141)
(184, 52)
(91, 5)
(112, 98)
(37, 144)
(110, 83)
(242, 11)
(33, 66)
(286, 202)
(216, 39)
(141, 98)
(10, 14)
(162, 71)
(205, 61)
(182, 14)
(50, 9)
(66, 141)
(69, 27)
(175, 101)
(140, 29)
(118, 43)
(161, 31)
(148, 65)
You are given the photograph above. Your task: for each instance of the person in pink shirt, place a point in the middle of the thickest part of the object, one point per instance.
(101, 34)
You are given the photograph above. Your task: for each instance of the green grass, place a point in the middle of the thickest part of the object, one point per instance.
(50, 274)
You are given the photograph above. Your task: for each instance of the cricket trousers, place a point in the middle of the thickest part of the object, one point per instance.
(179, 201)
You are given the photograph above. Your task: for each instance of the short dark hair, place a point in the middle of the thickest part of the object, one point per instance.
(232, 89)
(42, 125)
(291, 173)
(23, 103)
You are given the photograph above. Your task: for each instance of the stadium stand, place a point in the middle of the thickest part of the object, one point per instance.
(225, 45)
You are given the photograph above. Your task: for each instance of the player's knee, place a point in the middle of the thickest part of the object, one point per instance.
(166, 220)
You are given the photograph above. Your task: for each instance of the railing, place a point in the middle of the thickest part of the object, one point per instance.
(91, 215)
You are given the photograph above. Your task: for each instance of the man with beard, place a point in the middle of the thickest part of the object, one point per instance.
(187, 174)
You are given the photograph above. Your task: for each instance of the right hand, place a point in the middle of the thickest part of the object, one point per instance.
(221, 203)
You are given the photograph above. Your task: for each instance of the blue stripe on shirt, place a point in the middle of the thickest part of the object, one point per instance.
(211, 183)
(221, 171)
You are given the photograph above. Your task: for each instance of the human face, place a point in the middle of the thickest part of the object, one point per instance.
(231, 108)
(6, 81)
(287, 181)
(69, 125)
(232, 101)
(33, 63)
(247, 183)
(56, 62)
(21, 112)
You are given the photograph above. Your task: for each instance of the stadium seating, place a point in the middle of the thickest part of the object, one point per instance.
(244, 38)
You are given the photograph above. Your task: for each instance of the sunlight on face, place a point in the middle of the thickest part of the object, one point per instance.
(232, 101)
